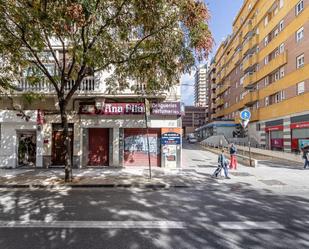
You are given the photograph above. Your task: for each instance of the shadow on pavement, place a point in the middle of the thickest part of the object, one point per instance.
(202, 209)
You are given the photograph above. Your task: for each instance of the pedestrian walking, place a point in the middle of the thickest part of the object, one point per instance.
(233, 155)
(306, 156)
(222, 164)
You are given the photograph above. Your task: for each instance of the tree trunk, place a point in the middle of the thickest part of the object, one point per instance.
(67, 142)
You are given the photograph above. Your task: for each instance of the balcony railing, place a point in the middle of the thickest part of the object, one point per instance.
(250, 79)
(252, 60)
(250, 98)
(89, 84)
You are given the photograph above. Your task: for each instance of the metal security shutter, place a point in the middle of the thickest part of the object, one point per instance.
(98, 150)
(135, 147)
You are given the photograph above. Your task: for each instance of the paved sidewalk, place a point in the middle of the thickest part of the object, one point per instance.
(101, 177)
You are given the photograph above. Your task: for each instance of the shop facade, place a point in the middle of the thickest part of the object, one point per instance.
(288, 134)
(116, 136)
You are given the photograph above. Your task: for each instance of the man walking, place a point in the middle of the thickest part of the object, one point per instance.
(222, 164)
(306, 156)
(233, 152)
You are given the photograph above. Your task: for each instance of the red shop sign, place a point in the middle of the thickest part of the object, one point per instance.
(124, 108)
(300, 125)
(276, 143)
(274, 128)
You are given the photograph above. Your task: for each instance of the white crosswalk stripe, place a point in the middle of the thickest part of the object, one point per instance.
(95, 224)
(247, 225)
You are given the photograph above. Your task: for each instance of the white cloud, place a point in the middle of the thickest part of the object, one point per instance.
(187, 88)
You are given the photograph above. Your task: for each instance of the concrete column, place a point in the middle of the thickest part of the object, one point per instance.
(263, 134)
(115, 148)
(39, 148)
(287, 135)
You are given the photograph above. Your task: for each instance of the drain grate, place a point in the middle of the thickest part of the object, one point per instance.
(240, 174)
(272, 182)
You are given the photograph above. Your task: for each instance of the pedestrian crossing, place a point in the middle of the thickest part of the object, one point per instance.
(153, 224)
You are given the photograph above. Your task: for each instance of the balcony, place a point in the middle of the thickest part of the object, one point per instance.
(219, 102)
(251, 98)
(88, 85)
(254, 40)
(255, 115)
(237, 57)
(219, 113)
(250, 79)
(222, 89)
(264, 9)
(253, 59)
(274, 64)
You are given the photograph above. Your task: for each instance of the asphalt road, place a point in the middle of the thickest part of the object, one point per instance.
(217, 214)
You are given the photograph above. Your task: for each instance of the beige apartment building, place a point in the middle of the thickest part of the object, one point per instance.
(263, 66)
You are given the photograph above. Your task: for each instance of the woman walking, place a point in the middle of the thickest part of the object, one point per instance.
(233, 152)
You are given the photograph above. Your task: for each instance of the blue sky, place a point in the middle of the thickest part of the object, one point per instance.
(223, 13)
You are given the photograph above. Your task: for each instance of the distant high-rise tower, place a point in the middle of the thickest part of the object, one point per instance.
(200, 87)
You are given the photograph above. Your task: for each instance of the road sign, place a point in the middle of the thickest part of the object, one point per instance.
(245, 115)
(244, 123)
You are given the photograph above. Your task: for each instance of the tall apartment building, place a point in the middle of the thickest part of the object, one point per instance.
(263, 66)
(200, 87)
(194, 118)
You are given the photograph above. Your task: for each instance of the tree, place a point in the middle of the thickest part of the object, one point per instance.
(149, 41)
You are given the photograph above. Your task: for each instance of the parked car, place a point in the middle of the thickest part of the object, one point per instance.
(192, 140)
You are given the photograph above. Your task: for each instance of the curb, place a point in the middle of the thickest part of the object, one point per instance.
(58, 186)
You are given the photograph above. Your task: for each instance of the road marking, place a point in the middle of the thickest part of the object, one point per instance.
(95, 224)
(247, 225)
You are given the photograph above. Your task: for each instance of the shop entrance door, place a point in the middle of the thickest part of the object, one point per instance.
(98, 147)
(58, 145)
(26, 148)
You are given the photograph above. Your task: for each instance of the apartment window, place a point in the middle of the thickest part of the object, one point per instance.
(276, 33)
(242, 80)
(281, 48)
(281, 72)
(266, 21)
(277, 97)
(299, 7)
(277, 77)
(300, 34)
(266, 101)
(257, 105)
(266, 60)
(266, 41)
(236, 99)
(300, 61)
(300, 88)
(281, 3)
(281, 25)
(266, 81)
(282, 95)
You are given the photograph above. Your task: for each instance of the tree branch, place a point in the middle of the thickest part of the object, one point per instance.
(51, 49)
(106, 24)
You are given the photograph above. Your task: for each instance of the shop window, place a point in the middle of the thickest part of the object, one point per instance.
(258, 127)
